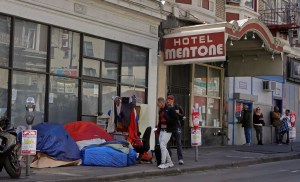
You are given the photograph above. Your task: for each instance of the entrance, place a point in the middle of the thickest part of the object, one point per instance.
(179, 87)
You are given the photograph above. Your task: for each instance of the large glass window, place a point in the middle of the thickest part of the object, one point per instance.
(207, 97)
(63, 99)
(91, 68)
(3, 91)
(249, 4)
(4, 39)
(93, 47)
(128, 91)
(134, 62)
(109, 70)
(27, 85)
(90, 95)
(107, 93)
(64, 52)
(30, 46)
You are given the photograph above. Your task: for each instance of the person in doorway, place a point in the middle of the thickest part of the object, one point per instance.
(275, 121)
(258, 122)
(285, 127)
(246, 124)
(176, 133)
(167, 117)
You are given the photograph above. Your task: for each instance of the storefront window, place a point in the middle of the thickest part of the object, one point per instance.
(112, 51)
(200, 80)
(109, 70)
(213, 112)
(127, 91)
(134, 62)
(93, 47)
(213, 85)
(27, 85)
(91, 68)
(200, 106)
(3, 91)
(107, 93)
(4, 40)
(207, 94)
(90, 94)
(65, 52)
(30, 46)
(63, 99)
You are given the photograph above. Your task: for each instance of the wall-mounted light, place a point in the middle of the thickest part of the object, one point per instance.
(245, 38)
(163, 2)
(231, 44)
(253, 36)
(263, 45)
(272, 57)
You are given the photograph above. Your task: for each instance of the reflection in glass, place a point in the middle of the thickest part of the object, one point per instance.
(27, 85)
(127, 91)
(134, 62)
(3, 91)
(64, 52)
(249, 4)
(213, 112)
(112, 51)
(214, 76)
(63, 100)
(4, 40)
(91, 68)
(90, 93)
(107, 93)
(200, 80)
(30, 46)
(93, 47)
(200, 103)
(109, 70)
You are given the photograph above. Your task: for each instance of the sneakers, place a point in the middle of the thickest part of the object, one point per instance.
(163, 166)
(181, 162)
(167, 165)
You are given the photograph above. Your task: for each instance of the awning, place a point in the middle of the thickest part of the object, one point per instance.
(240, 43)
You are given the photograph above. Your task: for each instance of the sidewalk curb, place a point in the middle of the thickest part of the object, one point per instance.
(177, 171)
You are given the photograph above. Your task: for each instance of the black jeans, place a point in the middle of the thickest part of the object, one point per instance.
(287, 136)
(277, 134)
(259, 135)
(176, 134)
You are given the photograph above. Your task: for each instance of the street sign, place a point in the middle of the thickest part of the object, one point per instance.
(28, 142)
(196, 137)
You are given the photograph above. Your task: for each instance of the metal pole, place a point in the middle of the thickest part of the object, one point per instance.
(28, 159)
(196, 154)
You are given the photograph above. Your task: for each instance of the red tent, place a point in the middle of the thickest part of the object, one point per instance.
(85, 130)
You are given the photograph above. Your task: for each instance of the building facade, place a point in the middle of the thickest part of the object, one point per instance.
(74, 56)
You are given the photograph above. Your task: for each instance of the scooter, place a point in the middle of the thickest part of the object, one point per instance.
(9, 149)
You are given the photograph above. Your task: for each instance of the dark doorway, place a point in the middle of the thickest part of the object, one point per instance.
(178, 85)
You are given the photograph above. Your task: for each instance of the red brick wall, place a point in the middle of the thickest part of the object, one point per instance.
(232, 16)
(184, 1)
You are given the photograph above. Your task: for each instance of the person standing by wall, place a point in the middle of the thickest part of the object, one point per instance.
(246, 123)
(258, 122)
(285, 127)
(176, 133)
(275, 121)
(167, 117)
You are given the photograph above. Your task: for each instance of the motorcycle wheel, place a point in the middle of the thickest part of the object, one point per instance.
(12, 164)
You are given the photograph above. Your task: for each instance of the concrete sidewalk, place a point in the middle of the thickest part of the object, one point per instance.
(209, 158)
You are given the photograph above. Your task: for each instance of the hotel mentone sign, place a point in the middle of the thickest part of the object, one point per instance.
(194, 46)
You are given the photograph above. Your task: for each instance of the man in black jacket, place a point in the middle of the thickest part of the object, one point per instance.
(176, 133)
(167, 117)
(247, 124)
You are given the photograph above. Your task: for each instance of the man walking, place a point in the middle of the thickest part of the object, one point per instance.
(176, 133)
(275, 121)
(167, 117)
(246, 123)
